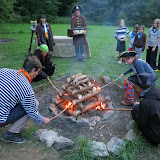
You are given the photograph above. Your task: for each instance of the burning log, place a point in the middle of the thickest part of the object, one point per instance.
(93, 105)
(85, 97)
(83, 89)
(79, 96)
(63, 107)
(77, 86)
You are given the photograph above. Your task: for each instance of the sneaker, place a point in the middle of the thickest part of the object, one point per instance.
(14, 138)
(127, 103)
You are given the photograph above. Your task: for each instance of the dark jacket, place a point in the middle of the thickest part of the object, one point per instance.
(79, 23)
(147, 115)
(42, 38)
(48, 66)
(139, 43)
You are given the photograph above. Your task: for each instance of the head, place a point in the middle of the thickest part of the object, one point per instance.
(32, 65)
(136, 27)
(141, 29)
(129, 60)
(142, 81)
(44, 49)
(158, 21)
(121, 24)
(155, 23)
(43, 18)
(78, 13)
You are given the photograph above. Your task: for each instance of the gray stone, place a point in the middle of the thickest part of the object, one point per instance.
(61, 79)
(83, 122)
(48, 137)
(107, 98)
(119, 85)
(71, 119)
(63, 143)
(106, 79)
(53, 108)
(38, 133)
(116, 145)
(99, 149)
(130, 125)
(108, 114)
(92, 121)
(130, 136)
(97, 118)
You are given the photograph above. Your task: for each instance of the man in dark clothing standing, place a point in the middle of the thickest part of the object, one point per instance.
(44, 33)
(147, 112)
(79, 28)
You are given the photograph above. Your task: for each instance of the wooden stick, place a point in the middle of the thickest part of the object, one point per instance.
(58, 114)
(117, 109)
(73, 77)
(83, 89)
(82, 81)
(53, 85)
(79, 78)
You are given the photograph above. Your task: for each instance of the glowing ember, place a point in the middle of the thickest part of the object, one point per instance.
(69, 105)
(101, 107)
(66, 94)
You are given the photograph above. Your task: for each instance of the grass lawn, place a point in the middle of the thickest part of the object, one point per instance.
(103, 62)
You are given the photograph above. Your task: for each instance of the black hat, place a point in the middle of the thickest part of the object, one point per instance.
(78, 7)
(143, 79)
(43, 16)
(128, 54)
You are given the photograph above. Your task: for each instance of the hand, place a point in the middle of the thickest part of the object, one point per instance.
(136, 103)
(75, 33)
(147, 47)
(46, 120)
(121, 40)
(85, 32)
(122, 75)
(131, 43)
(153, 49)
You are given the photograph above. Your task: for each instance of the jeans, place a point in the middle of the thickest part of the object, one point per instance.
(139, 52)
(79, 49)
(15, 114)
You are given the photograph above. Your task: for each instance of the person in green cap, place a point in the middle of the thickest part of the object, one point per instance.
(44, 57)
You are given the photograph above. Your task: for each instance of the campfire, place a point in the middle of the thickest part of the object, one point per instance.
(80, 94)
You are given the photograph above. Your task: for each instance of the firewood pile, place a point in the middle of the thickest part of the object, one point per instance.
(79, 94)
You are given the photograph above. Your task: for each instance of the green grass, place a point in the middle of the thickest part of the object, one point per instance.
(103, 62)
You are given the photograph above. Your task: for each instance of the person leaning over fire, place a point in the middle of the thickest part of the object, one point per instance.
(44, 33)
(79, 28)
(137, 66)
(146, 113)
(17, 100)
(44, 57)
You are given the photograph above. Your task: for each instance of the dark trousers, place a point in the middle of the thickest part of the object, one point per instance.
(15, 114)
(151, 57)
(158, 67)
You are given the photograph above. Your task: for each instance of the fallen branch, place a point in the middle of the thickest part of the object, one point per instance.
(117, 109)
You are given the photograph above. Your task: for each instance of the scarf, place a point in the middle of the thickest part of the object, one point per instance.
(133, 34)
(26, 74)
(140, 35)
(154, 30)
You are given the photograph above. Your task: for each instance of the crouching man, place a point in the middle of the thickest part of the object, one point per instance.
(147, 112)
(17, 100)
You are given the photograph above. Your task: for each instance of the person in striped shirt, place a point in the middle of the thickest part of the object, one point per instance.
(17, 100)
(121, 35)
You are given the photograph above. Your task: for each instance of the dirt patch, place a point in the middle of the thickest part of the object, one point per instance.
(3, 40)
(114, 126)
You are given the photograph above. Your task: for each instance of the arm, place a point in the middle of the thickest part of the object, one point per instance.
(153, 49)
(148, 40)
(38, 35)
(128, 71)
(133, 47)
(51, 33)
(86, 29)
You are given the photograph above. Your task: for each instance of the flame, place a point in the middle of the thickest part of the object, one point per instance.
(66, 94)
(69, 105)
(100, 107)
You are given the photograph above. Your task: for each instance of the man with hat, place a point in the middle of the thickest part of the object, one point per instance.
(79, 28)
(147, 112)
(48, 67)
(44, 33)
(138, 66)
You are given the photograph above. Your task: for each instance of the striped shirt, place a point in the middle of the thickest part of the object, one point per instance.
(121, 32)
(16, 89)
